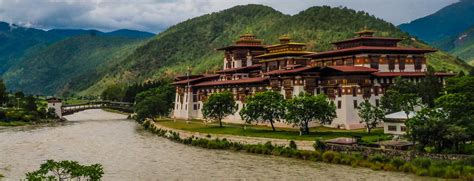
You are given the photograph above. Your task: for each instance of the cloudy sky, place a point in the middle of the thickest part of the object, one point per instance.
(157, 15)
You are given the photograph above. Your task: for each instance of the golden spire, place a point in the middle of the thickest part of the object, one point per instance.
(365, 32)
(284, 39)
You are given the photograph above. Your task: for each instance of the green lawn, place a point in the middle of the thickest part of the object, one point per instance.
(264, 131)
(14, 123)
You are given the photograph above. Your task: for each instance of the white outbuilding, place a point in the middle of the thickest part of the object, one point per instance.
(394, 123)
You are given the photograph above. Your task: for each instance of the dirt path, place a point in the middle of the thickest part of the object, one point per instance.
(302, 145)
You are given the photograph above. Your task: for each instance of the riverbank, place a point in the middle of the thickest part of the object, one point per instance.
(128, 152)
(257, 131)
(420, 166)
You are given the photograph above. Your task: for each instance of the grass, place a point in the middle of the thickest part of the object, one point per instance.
(115, 111)
(14, 123)
(76, 101)
(264, 131)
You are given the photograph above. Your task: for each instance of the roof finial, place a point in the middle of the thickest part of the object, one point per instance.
(366, 32)
(284, 39)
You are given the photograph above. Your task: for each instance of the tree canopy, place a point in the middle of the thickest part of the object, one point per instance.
(305, 108)
(218, 106)
(370, 115)
(154, 102)
(266, 106)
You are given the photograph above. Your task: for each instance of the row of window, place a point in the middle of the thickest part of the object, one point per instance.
(394, 128)
(356, 104)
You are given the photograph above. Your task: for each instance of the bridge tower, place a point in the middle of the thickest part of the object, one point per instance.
(57, 104)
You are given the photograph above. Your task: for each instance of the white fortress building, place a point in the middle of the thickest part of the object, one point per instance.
(358, 69)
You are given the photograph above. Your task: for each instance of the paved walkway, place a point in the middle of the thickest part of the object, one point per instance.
(302, 145)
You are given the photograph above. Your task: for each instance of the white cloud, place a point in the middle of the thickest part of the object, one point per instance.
(156, 15)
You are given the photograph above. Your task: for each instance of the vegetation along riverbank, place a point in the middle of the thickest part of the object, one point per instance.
(18, 109)
(463, 169)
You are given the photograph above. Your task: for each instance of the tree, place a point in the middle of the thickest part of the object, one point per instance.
(432, 127)
(370, 115)
(266, 106)
(30, 104)
(218, 106)
(3, 93)
(429, 88)
(154, 102)
(113, 93)
(304, 108)
(66, 170)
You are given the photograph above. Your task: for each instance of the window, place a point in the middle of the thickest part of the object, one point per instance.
(392, 128)
(355, 104)
(403, 128)
(339, 104)
(391, 63)
(374, 62)
(377, 103)
(401, 63)
(195, 107)
(186, 107)
(418, 63)
(376, 91)
(354, 91)
(339, 92)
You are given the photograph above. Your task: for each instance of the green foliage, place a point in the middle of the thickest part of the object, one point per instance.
(370, 115)
(69, 65)
(421, 166)
(293, 145)
(443, 23)
(218, 106)
(266, 106)
(401, 96)
(306, 108)
(65, 170)
(113, 93)
(319, 145)
(193, 42)
(154, 102)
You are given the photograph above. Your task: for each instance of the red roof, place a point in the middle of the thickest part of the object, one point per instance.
(181, 82)
(368, 38)
(351, 69)
(233, 82)
(363, 49)
(408, 74)
(241, 46)
(252, 67)
(284, 71)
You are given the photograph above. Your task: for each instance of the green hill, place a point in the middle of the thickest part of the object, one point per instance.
(16, 41)
(71, 64)
(461, 45)
(193, 42)
(447, 22)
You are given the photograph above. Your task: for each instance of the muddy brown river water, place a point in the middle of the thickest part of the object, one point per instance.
(128, 152)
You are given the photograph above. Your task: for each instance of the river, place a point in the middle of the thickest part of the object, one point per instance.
(128, 152)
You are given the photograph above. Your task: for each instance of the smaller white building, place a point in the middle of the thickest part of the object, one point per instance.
(394, 123)
(57, 104)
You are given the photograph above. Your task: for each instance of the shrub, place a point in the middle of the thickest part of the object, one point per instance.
(397, 163)
(378, 158)
(422, 162)
(389, 167)
(422, 172)
(407, 167)
(293, 145)
(269, 145)
(315, 156)
(376, 166)
(328, 156)
(436, 171)
(319, 145)
(451, 172)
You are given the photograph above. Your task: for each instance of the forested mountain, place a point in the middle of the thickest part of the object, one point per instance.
(447, 22)
(461, 45)
(193, 42)
(15, 41)
(70, 64)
